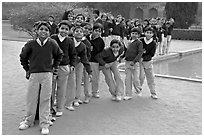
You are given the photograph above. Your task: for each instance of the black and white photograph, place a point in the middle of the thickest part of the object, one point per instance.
(102, 68)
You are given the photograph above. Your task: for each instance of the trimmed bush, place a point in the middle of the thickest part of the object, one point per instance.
(187, 34)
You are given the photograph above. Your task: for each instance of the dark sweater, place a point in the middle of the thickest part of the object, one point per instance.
(149, 50)
(67, 46)
(107, 56)
(97, 47)
(118, 30)
(82, 57)
(88, 47)
(36, 59)
(134, 51)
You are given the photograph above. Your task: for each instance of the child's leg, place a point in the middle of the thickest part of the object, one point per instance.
(118, 80)
(128, 79)
(109, 80)
(164, 45)
(61, 87)
(168, 43)
(150, 76)
(32, 98)
(142, 74)
(87, 84)
(136, 77)
(54, 84)
(95, 76)
(45, 96)
(78, 72)
(71, 87)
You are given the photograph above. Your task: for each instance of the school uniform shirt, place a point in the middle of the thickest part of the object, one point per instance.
(97, 46)
(106, 28)
(67, 46)
(37, 58)
(149, 47)
(107, 56)
(134, 51)
(82, 55)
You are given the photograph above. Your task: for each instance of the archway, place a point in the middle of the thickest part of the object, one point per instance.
(153, 13)
(139, 13)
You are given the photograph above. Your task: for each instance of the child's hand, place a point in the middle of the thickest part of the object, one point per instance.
(90, 78)
(106, 66)
(27, 74)
(72, 68)
(132, 63)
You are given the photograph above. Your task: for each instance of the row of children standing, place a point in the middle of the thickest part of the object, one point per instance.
(55, 63)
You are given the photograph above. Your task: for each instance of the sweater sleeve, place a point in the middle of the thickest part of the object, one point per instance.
(84, 60)
(24, 56)
(57, 54)
(72, 53)
(99, 57)
(140, 52)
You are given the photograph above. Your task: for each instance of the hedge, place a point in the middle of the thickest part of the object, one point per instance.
(187, 34)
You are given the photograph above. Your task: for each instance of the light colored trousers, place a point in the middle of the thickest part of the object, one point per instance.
(95, 77)
(113, 79)
(167, 42)
(45, 80)
(132, 78)
(60, 86)
(146, 69)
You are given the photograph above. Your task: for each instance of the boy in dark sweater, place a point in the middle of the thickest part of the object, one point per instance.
(40, 58)
(74, 84)
(97, 46)
(132, 58)
(67, 64)
(146, 65)
(108, 60)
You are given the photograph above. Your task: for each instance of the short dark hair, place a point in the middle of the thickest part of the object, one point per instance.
(45, 24)
(65, 22)
(80, 14)
(96, 11)
(136, 29)
(97, 26)
(115, 41)
(77, 27)
(149, 29)
(52, 16)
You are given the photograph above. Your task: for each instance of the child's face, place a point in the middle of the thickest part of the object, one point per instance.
(149, 34)
(78, 33)
(119, 19)
(79, 19)
(70, 17)
(115, 48)
(134, 35)
(43, 32)
(63, 30)
(95, 15)
(87, 30)
(97, 32)
(104, 18)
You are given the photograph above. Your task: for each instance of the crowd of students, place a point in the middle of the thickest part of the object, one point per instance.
(61, 56)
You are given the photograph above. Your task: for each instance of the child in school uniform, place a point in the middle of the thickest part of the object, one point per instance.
(146, 65)
(40, 58)
(82, 60)
(108, 60)
(133, 56)
(66, 65)
(97, 46)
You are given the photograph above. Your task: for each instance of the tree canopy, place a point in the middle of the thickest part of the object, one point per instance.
(184, 13)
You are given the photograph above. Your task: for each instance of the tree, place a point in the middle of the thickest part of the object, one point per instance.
(25, 17)
(184, 13)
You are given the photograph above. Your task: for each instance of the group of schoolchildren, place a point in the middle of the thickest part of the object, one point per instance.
(61, 56)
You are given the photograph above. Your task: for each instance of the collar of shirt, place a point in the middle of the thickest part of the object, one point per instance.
(39, 42)
(51, 23)
(148, 41)
(76, 43)
(61, 38)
